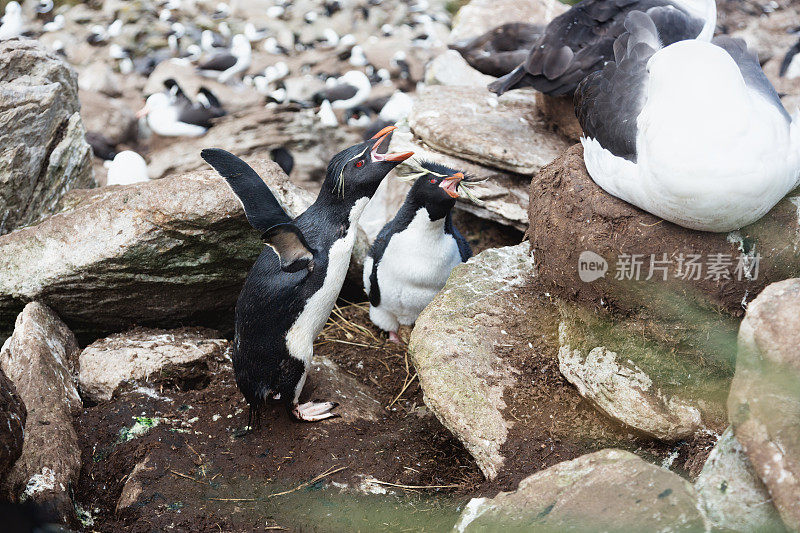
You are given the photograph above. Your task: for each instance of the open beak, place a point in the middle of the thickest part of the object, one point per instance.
(450, 184)
(378, 152)
(143, 112)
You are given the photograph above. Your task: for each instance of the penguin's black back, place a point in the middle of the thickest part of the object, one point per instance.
(271, 302)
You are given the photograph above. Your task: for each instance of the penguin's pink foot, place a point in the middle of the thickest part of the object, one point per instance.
(395, 338)
(314, 411)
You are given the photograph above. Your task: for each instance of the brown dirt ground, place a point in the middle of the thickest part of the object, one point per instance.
(199, 452)
(206, 474)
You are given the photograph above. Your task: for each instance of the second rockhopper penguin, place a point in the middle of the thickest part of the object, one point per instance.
(292, 288)
(411, 259)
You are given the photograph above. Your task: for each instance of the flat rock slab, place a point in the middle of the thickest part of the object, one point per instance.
(40, 358)
(730, 492)
(503, 195)
(764, 402)
(628, 368)
(471, 123)
(160, 253)
(596, 249)
(480, 16)
(44, 153)
(180, 356)
(486, 352)
(452, 69)
(609, 490)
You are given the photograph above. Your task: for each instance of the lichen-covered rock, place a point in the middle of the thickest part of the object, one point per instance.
(160, 253)
(461, 378)
(12, 424)
(644, 262)
(764, 402)
(44, 153)
(177, 356)
(40, 358)
(643, 381)
(609, 490)
(731, 494)
(503, 195)
(480, 16)
(486, 352)
(505, 132)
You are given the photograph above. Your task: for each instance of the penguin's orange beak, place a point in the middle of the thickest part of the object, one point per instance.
(450, 184)
(380, 155)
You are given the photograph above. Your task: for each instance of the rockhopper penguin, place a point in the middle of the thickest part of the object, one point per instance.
(292, 288)
(412, 257)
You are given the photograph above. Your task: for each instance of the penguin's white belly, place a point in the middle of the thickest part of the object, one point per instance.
(300, 337)
(415, 266)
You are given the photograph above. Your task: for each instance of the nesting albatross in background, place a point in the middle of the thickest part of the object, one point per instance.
(692, 132)
(581, 40)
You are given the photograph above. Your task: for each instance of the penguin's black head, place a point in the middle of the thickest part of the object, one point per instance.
(436, 188)
(357, 171)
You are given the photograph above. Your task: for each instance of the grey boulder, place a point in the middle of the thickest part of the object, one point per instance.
(40, 358)
(160, 253)
(609, 490)
(764, 401)
(44, 153)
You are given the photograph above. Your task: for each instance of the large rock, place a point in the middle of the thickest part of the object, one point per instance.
(161, 253)
(579, 232)
(12, 424)
(764, 402)
(472, 408)
(480, 16)
(610, 490)
(40, 358)
(452, 69)
(44, 153)
(629, 369)
(731, 494)
(182, 356)
(486, 351)
(471, 123)
(503, 195)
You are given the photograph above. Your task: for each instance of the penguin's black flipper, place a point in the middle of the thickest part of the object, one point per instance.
(288, 242)
(260, 205)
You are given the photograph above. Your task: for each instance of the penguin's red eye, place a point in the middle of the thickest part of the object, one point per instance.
(360, 164)
(433, 180)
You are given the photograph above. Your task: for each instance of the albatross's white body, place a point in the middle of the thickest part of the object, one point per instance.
(712, 153)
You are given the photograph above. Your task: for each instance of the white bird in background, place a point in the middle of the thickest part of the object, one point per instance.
(56, 24)
(12, 21)
(162, 117)
(127, 167)
(225, 65)
(346, 91)
(692, 132)
(396, 108)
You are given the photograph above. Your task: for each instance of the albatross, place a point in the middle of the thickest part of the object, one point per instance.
(692, 132)
(174, 114)
(581, 40)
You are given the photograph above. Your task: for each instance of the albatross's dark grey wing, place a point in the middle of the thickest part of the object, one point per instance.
(579, 42)
(748, 64)
(609, 101)
(220, 62)
(500, 50)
